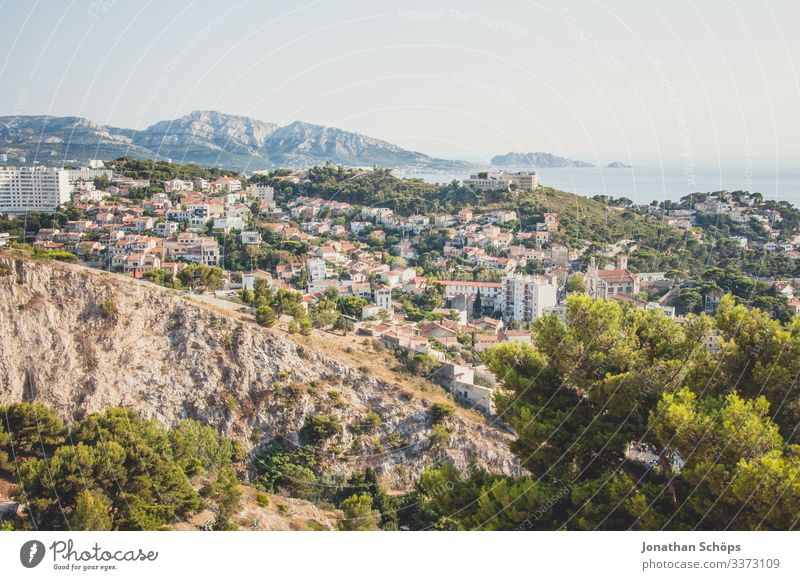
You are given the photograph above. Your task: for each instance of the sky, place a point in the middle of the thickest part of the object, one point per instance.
(598, 81)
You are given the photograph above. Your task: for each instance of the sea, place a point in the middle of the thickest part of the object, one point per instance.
(646, 181)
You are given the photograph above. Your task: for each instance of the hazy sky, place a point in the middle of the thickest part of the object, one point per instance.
(597, 80)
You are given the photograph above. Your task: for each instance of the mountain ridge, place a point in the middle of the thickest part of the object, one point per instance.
(209, 138)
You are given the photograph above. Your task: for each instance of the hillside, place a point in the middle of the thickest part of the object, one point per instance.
(80, 340)
(209, 138)
(582, 218)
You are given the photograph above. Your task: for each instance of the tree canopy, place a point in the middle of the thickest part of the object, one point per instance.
(111, 470)
(627, 419)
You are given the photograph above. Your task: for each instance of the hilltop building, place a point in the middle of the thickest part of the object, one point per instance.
(502, 180)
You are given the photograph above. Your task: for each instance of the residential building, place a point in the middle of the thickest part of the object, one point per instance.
(229, 223)
(525, 298)
(668, 311)
(88, 174)
(226, 184)
(488, 291)
(165, 229)
(317, 269)
(177, 185)
(502, 180)
(460, 380)
(465, 215)
(383, 298)
(193, 248)
(262, 192)
(40, 189)
(250, 238)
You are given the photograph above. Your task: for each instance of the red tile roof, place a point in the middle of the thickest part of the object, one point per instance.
(616, 276)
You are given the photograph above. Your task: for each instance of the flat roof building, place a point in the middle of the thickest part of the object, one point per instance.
(29, 189)
(502, 180)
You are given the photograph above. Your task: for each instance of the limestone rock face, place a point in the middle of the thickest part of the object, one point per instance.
(81, 341)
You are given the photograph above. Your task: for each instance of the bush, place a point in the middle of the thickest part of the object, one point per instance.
(201, 278)
(108, 309)
(336, 399)
(422, 365)
(441, 411)
(200, 449)
(372, 420)
(59, 255)
(320, 428)
(265, 316)
(287, 468)
(358, 515)
(440, 435)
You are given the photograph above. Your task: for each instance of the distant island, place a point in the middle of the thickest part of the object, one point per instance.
(535, 159)
(618, 165)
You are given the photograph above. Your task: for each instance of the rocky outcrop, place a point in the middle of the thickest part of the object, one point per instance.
(81, 340)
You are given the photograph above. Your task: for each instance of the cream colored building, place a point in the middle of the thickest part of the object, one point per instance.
(502, 180)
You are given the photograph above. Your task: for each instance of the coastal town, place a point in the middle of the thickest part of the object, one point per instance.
(361, 269)
(380, 268)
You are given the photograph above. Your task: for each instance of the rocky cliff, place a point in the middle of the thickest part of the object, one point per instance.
(81, 340)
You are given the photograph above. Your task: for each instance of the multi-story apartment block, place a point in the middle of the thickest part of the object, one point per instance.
(25, 189)
(262, 192)
(525, 298)
(489, 292)
(193, 248)
(317, 269)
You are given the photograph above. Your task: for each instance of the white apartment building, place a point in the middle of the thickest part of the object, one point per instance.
(177, 185)
(490, 292)
(262, 192)
(502, 180)
(317, 269)
(24, 189)
(250, 238)
(383, 298)
(525, 298)
(229, 223)
(226, 184)
(89, 174)
(190, 247)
